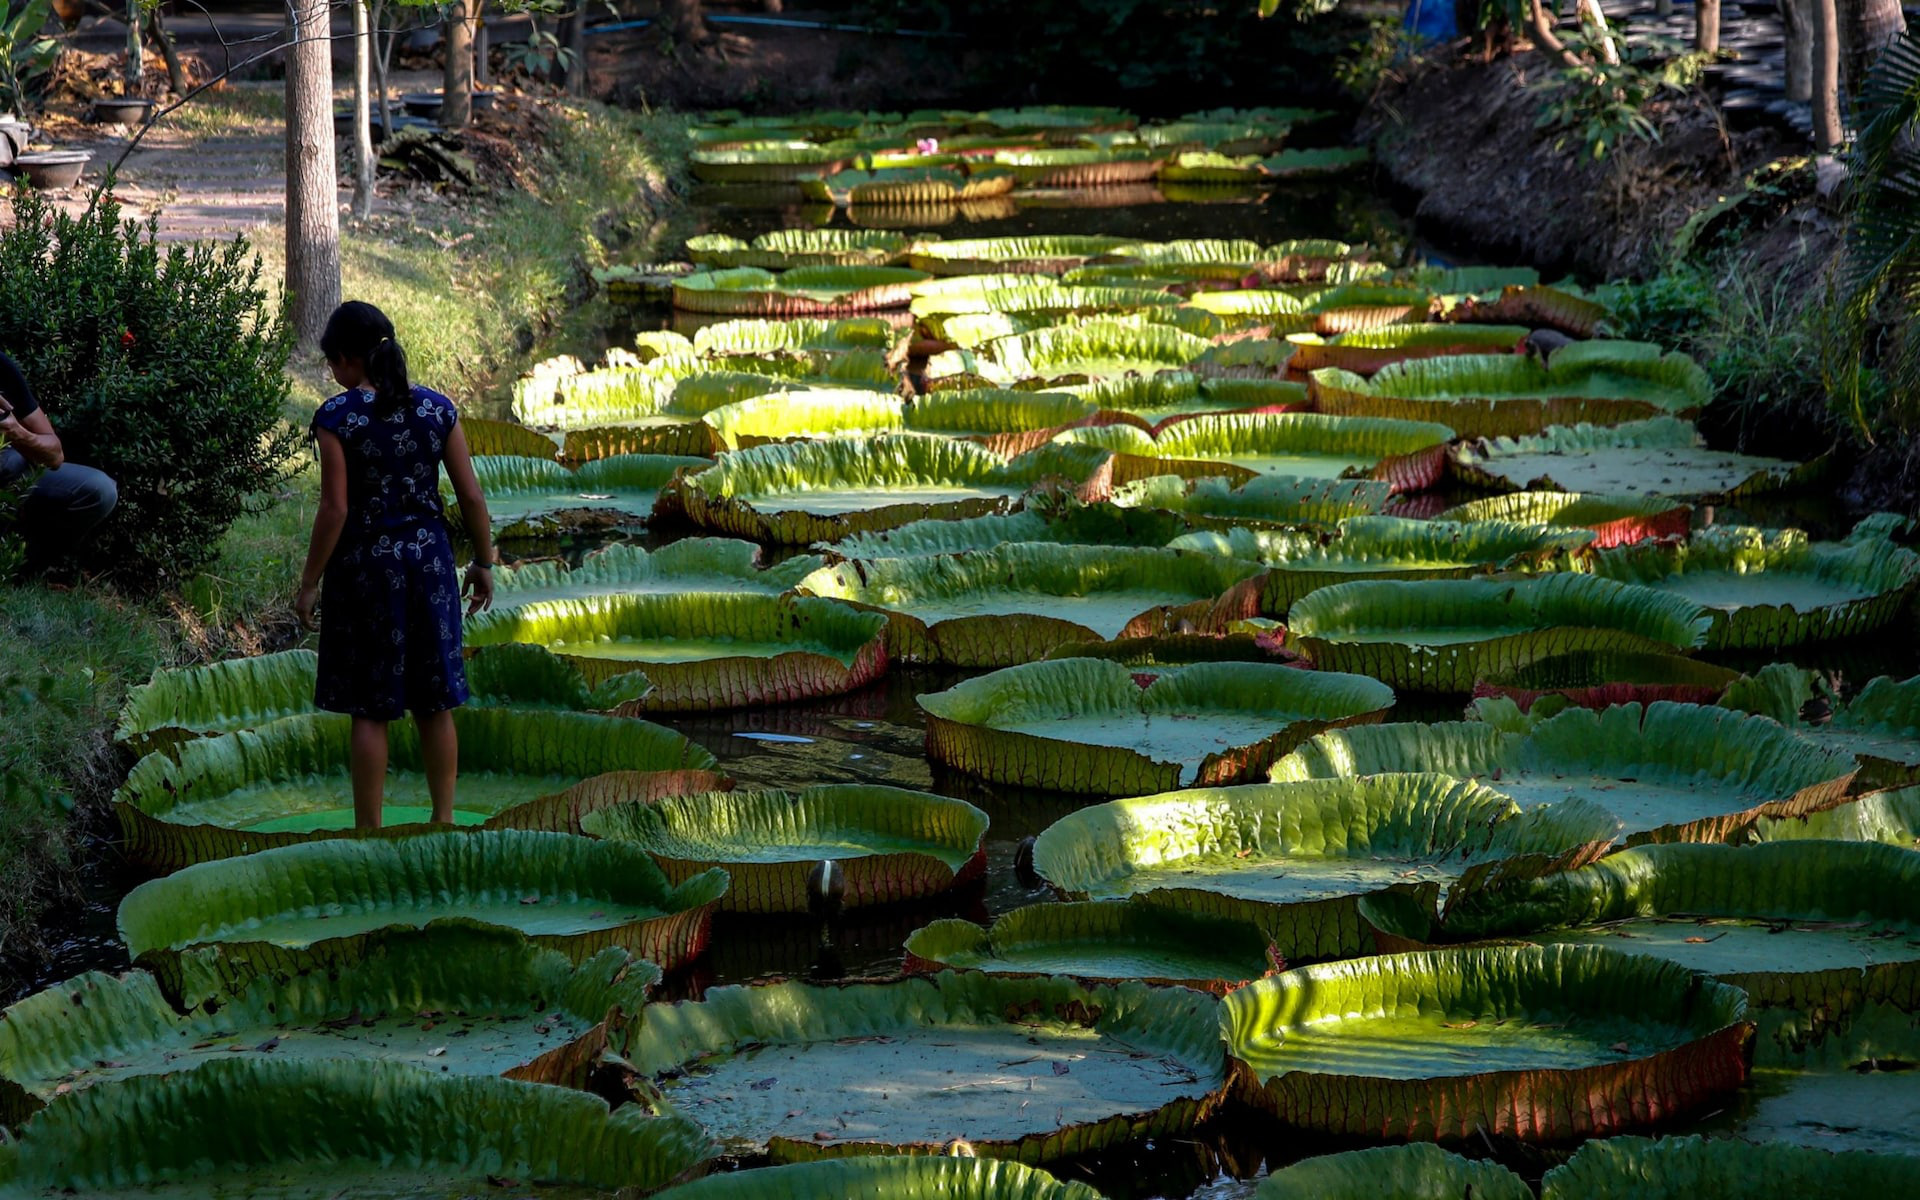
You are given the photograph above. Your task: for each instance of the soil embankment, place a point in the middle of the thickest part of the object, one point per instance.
(1463, 138)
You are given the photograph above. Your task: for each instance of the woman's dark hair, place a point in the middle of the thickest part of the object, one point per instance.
(359, 330)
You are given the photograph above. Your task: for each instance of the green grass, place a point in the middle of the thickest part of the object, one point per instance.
(237, 109)
(473, 297)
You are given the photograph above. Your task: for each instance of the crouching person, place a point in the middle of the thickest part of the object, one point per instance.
(68, 501)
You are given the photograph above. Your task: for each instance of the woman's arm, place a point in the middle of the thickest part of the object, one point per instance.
(328, 521)
(32, 436)
(473, 511)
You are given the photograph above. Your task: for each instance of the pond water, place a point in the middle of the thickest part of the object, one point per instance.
(877, 735)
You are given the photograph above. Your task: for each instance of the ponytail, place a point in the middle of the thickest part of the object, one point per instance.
(387, 372)
(359, 330)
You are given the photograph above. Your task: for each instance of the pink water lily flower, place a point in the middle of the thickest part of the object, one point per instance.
(928, 145)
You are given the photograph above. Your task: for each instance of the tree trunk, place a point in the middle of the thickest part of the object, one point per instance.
(1866, 28)
(1545, 39)
(1826, 76)
(176, 75)
(1662, 8)
(482, 45)
(456, 93)
(383, 55)
(686, 21)
(1796, 18)
(1706, 26)
(136, 53)
(577, 42)
(364, 163)
(1594, 22)
(313, 199)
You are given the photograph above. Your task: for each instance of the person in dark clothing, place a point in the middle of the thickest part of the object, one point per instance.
(68, 501)
(380, 567)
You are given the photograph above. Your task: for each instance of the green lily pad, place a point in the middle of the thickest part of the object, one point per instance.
(1100, 942)
(1416, 1172)
(800, 292)
(1633, 1168)
(1012, 604)
(1665, 772)
(1441, 635)
(1084, 725)
(1408, 454)
(1026, 1069)
(1614, 520)
(527, 496)
(1661, 456)
(1267, 501)
(1538, 1044)
(697, 564)
(890, 844)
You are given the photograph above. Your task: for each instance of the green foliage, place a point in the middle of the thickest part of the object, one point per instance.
(25, 56)
(1371, 60)
(1878, 291)
(162, 366)
(1599, 106)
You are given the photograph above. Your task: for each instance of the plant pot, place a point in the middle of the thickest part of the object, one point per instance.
(483, 101)
(53, 170)
(121, 110)
(422, 104)
(14, 139)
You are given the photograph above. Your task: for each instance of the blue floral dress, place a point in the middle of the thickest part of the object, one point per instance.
(390, 600)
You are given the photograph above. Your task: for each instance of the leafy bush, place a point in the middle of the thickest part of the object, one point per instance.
(1598, 106)
(162, 366)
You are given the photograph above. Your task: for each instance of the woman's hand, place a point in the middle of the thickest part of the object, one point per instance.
(479, 587)
(304, 602)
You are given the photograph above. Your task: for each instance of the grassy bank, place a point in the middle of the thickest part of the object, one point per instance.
(474, 287)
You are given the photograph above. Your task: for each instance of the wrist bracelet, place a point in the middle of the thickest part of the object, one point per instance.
(480, 566)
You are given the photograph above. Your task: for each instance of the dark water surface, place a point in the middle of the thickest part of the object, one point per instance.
(876, 735)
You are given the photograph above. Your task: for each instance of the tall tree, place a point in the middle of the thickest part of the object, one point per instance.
(456, 92)
(364, 163)
(1826, 76)
(1797, 18)
(313, 196)
(1706, 26)
(1866, 26)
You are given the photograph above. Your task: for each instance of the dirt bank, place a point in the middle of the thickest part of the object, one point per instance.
(1463, 139)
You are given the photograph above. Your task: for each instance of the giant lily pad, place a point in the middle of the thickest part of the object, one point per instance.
(1662, 456)
(792, 416)
(1301, 164)
(891, 844)
(1541, 1044)
(1879, 725)
(1100, 943)
(1534, 306)
(1092, 350)
(573, 894)
(1387, 548)
(222, 697)
(1602, 679)
(369, 1130)
(1615, 520)
(701, 564)
(1269, 500)
(749, 338)
(529, 496)
(1012, 604)
(907, 187)
(1420, 1171)
(1075, 168)
(289, 781)
(1891, 816)
(1085, 725)
(801, 292)
(1768, 590)
(1366, 351)
(1068, 525)
(1013, 255)
(887, 1177)
(1829, 929)
(511, 1009)
(783, 248)
(1006, 422)
(823, 491)
(1633, 1168)
(701, 650)
(1507, 395)
(487, 439)
(1305, 860)
(1027, 1069)
(1665, 772)
(766, 163)
(1410, 455)
(1441, 635)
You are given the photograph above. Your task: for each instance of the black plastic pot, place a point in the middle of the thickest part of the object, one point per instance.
(53, 170)
(121, 110)
(422, 104)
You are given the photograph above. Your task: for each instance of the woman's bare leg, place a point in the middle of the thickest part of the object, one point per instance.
(440, 754)
(369, 751)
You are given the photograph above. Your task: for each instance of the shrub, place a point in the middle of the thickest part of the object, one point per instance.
(161, 365)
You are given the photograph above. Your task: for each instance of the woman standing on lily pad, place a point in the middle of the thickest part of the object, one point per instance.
(390, 619)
